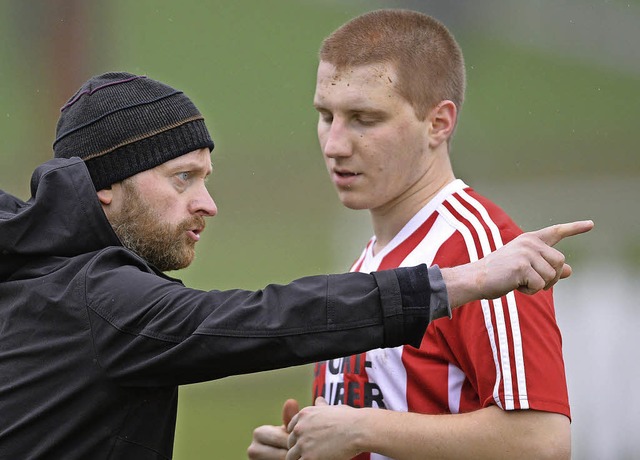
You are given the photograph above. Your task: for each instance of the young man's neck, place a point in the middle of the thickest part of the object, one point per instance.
(388, 222)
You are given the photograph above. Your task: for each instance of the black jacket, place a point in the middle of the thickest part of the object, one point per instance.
(94, 341)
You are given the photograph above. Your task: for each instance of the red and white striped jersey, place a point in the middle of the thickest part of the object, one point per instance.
(505, 352)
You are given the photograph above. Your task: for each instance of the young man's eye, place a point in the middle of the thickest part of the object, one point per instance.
(366, 121)
(184, 176)
(326, 117)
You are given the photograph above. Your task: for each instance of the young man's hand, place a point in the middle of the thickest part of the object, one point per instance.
(269, 441)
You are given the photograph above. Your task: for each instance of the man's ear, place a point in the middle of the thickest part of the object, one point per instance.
(442, 120)
(105, 196)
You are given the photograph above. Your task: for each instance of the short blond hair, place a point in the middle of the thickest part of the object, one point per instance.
(425, 55)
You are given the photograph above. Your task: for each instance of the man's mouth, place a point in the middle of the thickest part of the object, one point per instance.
(344, 173)
(194, 231)
(345, 179)
(194, 234)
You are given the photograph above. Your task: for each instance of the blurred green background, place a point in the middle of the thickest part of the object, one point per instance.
(548, 131)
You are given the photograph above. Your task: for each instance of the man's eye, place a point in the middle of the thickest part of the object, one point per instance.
(366, 121)
(184, 176)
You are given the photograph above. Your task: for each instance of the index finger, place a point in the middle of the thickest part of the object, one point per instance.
(553, 234)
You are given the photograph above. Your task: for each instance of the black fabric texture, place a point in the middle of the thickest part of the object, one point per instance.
(122, 124)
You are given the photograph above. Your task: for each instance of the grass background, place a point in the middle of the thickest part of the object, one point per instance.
(530, 117)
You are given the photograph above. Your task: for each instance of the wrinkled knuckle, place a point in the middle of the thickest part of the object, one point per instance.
(523, 265)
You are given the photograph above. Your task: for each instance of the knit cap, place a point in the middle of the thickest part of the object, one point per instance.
(121, 124)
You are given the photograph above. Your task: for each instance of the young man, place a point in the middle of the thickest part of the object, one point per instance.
(490, 382)
(95, 338)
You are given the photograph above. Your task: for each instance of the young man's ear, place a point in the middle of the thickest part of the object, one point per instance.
(442, 122)
(105, 196)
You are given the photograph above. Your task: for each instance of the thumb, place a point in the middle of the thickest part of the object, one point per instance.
(553, 234)
(566, 272)
(289, 409)
(320, 401)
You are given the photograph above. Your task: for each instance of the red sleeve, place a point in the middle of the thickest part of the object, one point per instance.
(510, 350)
(505, 352)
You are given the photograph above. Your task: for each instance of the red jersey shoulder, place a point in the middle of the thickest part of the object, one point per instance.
(508, 228)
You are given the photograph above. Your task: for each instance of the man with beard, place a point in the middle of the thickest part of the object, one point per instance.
(95, 338)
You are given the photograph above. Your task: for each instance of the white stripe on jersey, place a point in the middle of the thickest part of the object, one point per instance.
(473, 256)
(511, 305)
(498, 308)
(455, 378)
(387, 362)
(426, 250)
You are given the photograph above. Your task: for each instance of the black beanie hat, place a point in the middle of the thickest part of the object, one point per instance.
(121, 124)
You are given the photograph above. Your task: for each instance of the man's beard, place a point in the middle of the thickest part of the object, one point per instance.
(141, 230)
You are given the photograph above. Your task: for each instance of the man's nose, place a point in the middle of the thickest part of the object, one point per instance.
(337, 143)
(203, 203)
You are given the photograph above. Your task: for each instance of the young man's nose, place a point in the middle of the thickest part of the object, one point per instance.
(337, 143)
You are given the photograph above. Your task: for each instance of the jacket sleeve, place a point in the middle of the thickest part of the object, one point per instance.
(149, 330)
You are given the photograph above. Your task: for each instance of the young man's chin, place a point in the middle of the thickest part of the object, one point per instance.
(350, 201)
